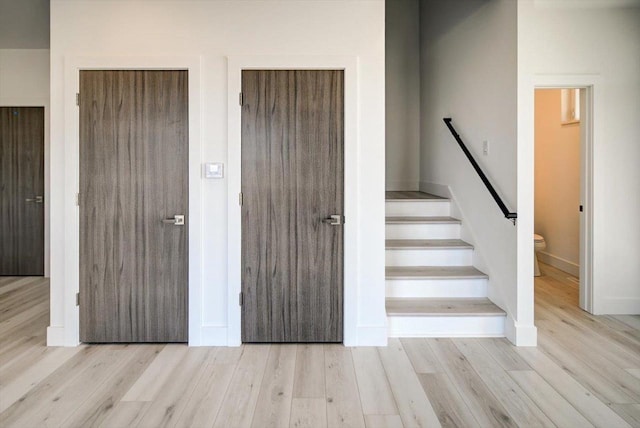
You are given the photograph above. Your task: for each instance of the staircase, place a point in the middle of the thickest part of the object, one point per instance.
(432, 288)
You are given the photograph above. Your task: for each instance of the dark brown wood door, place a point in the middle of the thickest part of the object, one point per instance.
(22, 191)
(292, 179)
(133, 177)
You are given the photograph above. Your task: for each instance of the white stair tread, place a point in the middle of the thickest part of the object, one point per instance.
(434, 272)
(421, 220)
(425, 307)
(426, 244)
(410, 195)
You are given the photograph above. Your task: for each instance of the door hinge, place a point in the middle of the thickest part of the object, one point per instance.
(78, 199)
(241, 99)
(77, 98)
(240, 298)
(77, 299)
(240, 198)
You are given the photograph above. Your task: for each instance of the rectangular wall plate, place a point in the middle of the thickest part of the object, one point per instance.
(214, 170)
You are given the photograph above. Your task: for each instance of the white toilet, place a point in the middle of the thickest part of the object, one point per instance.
(539, 244)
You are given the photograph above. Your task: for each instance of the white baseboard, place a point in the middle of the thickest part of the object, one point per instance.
(401, 185)
(372, 336)
(55, 336)
(520, 334)
(617, 306)
(212, 336)
(559, 263)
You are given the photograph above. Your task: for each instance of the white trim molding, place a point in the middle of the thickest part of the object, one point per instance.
(65, 282)
(558, 262)
(374, 334)
(520, 334)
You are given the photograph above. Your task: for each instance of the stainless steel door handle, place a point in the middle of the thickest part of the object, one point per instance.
(37, 199)
(333, 220)
(177, 220)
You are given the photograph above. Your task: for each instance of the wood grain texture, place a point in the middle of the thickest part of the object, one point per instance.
(421, 356)
(459, 306)
(206, 399)
(550, 402)
(133, 174)
(274, 402)
(99, 404)
(149, 385)
(483, 404)
(240, 400)
(594, 410)
(177, 389)
(375, 393)
(409, 195)
(383, 421)
(308, 413)
(447, 402)
(343, 400)
(413, 405)
(503, 352)
(309, 383)
(464, 379)
(292, 178)
(21, 180)
(523, 410)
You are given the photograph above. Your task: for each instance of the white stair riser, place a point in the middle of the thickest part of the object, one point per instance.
(423, 231)
(472, 287)
(442, 326)
(445, 257)
(418, 209)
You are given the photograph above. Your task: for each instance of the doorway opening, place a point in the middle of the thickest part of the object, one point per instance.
(563, 189)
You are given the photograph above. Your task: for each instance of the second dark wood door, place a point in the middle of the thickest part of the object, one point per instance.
(292, 181)
(21, 191)
(133, 182)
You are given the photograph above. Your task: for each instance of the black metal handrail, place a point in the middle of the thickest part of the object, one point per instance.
(508, 215)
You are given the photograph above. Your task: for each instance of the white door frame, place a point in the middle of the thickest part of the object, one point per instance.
(587, 85)
(73, 66)
(350, 290)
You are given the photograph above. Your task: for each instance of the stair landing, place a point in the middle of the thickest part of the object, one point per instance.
(409, 195)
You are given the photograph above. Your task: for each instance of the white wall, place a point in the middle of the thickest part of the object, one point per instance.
(468, 70)
(598, 46)
(402, 94)
(24, 81)
(214, 31)
(557, 183)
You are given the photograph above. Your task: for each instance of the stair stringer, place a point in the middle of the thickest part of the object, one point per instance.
(511, 327)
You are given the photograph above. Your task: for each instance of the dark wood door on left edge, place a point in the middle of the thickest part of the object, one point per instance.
(22, 191)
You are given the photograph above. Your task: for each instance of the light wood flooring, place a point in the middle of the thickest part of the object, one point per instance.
(585, 372)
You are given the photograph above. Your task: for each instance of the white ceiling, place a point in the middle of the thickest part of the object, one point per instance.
(24, 24)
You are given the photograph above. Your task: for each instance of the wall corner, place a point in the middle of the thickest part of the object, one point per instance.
(520, 334)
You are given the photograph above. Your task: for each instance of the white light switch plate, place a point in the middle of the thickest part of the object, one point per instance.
(214, 170)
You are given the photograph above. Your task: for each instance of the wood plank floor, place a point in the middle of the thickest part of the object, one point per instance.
(585, 372)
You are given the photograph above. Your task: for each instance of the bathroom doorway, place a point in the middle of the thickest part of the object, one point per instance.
(562, 183)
